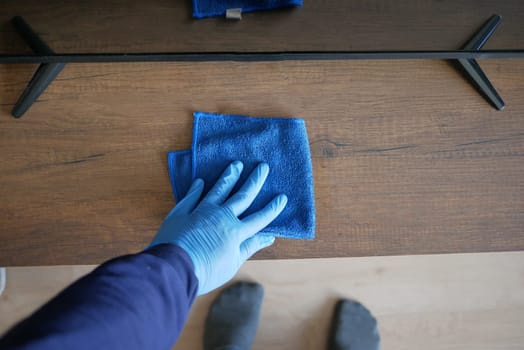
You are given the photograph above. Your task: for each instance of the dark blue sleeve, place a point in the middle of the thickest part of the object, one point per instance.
(138, 301)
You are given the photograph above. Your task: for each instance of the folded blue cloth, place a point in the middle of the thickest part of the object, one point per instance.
(210, 8)
(282, 143)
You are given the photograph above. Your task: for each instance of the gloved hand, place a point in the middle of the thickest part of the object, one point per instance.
(210, 231)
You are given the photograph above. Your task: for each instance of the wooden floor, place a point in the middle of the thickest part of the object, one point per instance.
(440, 302)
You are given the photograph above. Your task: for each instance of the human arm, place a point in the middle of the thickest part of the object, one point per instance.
(141, 301)
(138, 301)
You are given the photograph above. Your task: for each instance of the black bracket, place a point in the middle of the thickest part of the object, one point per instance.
(472, 68)
(44, 75)
(50, 63)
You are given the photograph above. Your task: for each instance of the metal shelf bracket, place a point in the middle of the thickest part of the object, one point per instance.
(472, 68)
(51, 64)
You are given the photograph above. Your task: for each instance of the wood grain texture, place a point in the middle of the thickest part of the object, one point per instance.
(432, 302)
(166, 25)
(408, 158)
(462, 301)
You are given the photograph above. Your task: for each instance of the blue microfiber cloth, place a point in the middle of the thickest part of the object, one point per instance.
(282, 143)
(211, 8)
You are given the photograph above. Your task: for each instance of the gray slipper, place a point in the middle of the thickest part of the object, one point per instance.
(233, 317)
(353, 328)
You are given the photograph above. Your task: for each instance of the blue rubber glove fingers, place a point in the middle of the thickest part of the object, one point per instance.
(228, 259)
(191, 199)
(244, 197)
(257, 221)
(250, 246)
(218, 242)
(223, 187)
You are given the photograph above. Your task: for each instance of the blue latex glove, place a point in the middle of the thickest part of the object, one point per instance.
(210, 231)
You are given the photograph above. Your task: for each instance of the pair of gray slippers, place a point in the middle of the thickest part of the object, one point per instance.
(233, 318)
